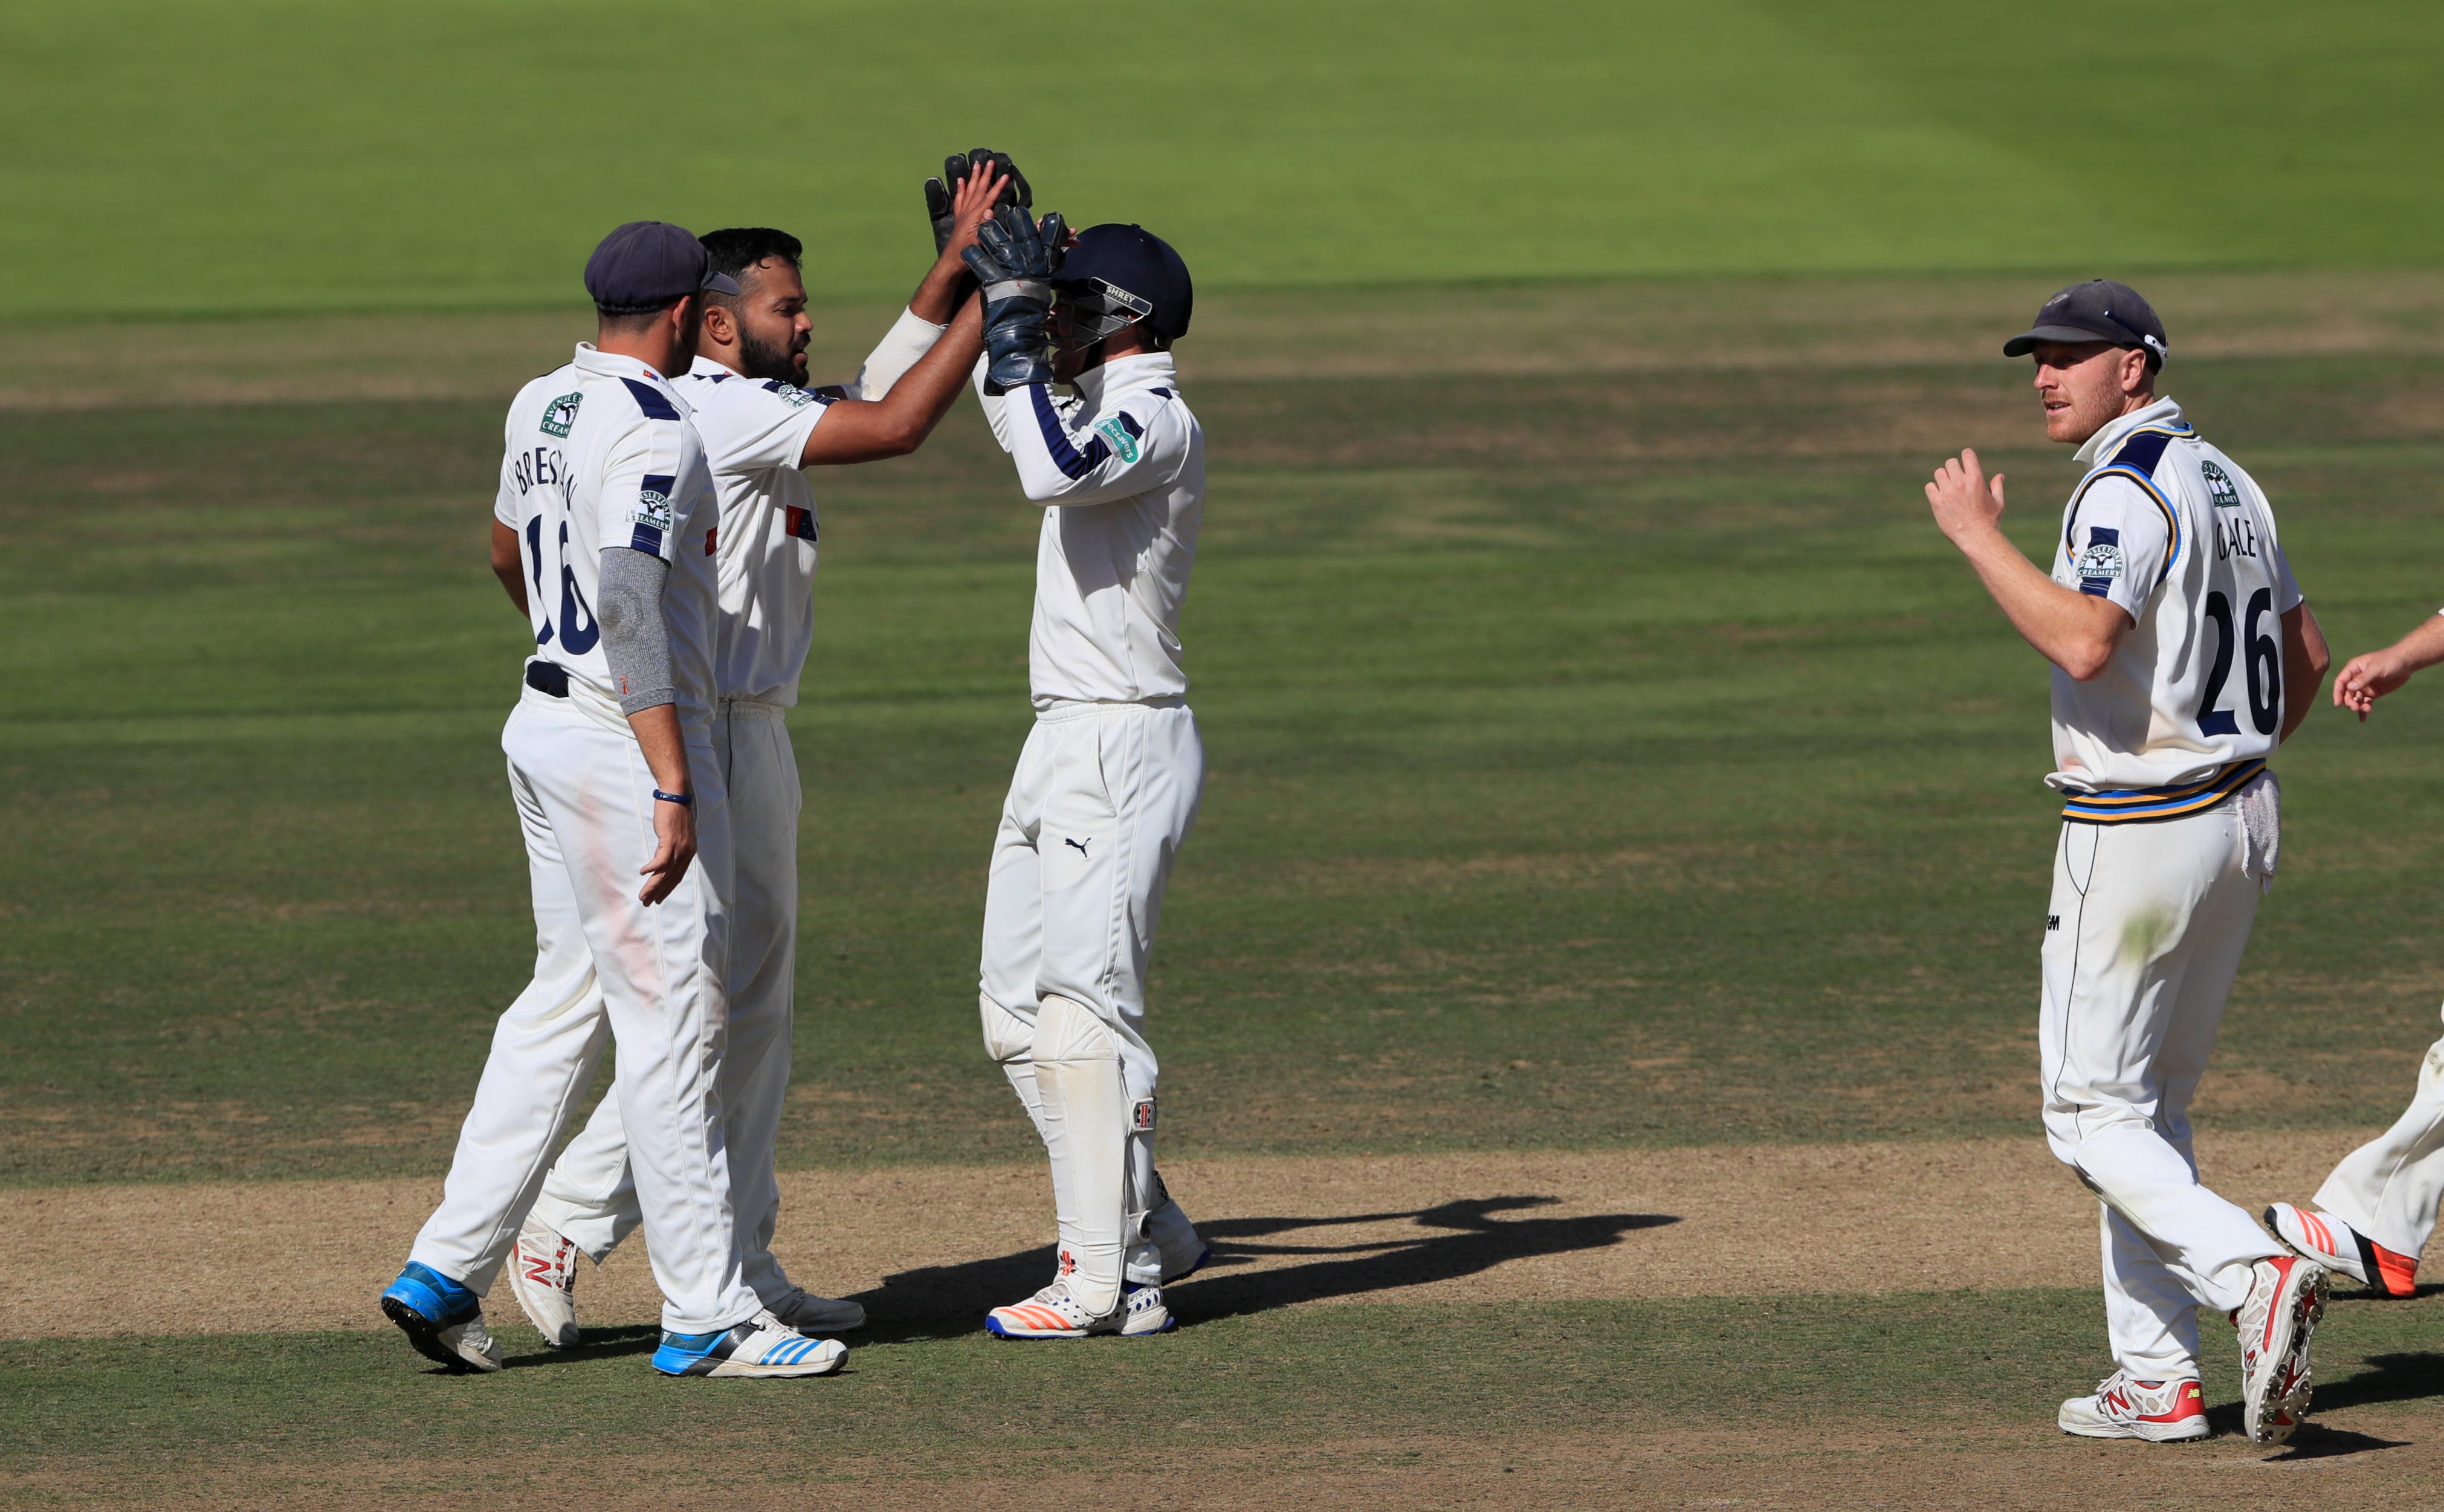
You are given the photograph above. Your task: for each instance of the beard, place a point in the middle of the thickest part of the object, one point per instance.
(764, 360)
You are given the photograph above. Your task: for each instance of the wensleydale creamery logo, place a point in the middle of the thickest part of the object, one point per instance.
(1116, 433)
(653, 508)
(2220, 487)
(561, 413)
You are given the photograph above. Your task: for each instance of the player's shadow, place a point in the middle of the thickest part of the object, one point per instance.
(611, 1341)
(1448, 1242)
(2387, 1379)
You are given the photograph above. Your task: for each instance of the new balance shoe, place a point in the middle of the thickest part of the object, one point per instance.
(2158, 1411)
(809, 1314)
(2336, 1245)
(542, 1277)
(761, 1346)
(1052, 1312)
(2286, 1297)
(443, 1319)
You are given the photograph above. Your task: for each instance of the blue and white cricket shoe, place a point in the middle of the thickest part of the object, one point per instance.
(443, 1319)
(762, 1346)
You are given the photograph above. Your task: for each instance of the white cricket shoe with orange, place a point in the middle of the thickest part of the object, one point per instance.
(1053, 1313)
(2158, 1411)
(2336, 1245)
(2286, 1297)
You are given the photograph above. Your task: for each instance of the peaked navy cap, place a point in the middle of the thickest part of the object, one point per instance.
(1134, 259)
(2097, 310)
(646, 264)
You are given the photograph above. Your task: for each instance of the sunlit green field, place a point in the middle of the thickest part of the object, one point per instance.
(284, 155)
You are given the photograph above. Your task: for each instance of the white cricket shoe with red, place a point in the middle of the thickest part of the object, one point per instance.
(2336, 1245)
(2286, 1297)
(1052, 1312)
(2158, 1411)
(542, 1277)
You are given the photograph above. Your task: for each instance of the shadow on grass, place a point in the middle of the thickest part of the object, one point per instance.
(2388, 1378)
(1458, 1238)
(595, 1343)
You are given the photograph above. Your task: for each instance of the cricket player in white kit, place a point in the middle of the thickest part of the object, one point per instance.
(762, 429)
(604, 496)
(2183, 655)
(2375, 1214)
(1108, 781)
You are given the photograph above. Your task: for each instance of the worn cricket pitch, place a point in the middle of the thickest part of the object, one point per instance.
(1597, 998)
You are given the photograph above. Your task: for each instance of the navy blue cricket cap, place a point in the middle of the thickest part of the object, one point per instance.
(646, 264)
(1135, 261)
(2097, 310)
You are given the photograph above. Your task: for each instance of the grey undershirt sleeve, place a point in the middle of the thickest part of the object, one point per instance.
(636, 640)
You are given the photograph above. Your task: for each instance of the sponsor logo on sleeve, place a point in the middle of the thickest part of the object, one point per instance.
(561, 413)
(2102, 559)
(2220, 487)
(652, 510)
(1123, 444)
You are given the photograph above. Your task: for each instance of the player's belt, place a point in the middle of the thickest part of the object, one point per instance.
(2138, 806)
(547, 677)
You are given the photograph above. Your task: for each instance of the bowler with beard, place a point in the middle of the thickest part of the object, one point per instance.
(762, 429)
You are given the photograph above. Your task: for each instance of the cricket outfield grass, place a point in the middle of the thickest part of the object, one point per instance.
(1610, 763)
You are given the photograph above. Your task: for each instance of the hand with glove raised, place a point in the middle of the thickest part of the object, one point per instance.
(940, 204)
(1015, 260)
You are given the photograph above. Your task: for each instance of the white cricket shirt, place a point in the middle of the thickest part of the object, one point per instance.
(599, 453)
(1123, 468)
(2187, 710)
(755, 432)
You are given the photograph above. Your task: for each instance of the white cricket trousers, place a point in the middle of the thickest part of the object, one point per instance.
(2388, 1189)
(2147, 926)
(1103, 796)
(591, 1196)
(607, 966)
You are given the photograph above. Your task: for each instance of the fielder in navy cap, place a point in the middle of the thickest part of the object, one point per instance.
(2097, 310)
(647, 264)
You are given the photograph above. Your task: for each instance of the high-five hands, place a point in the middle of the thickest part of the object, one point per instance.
(1965, 501)
(946, 207)
(1014, 259)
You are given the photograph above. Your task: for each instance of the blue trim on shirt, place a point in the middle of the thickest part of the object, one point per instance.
(656, 404)
(1073, 463)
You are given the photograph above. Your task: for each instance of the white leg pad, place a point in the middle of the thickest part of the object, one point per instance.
(1085, 1116)
(1010, 1039)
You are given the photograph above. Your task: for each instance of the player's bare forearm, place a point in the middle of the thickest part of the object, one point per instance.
(665, 748)
(506, 565)
(898, 423)
(2075, 631)
(2366, 678)
(2304, 660)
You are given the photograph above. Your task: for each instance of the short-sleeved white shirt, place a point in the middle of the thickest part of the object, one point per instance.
(755, 432)
(2174, 532)
(599, 454)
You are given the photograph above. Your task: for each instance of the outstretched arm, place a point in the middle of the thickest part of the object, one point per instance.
(2076, 631)
(896, 424)
(2366, 678)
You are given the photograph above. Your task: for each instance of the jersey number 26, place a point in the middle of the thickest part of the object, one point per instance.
(2264, 671)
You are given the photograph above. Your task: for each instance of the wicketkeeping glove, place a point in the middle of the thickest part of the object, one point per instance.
(956, 167)
(1014, 261)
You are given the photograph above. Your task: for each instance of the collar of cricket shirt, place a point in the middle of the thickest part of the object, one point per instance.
(2163, 411)
(594, 360)
(1136, 370)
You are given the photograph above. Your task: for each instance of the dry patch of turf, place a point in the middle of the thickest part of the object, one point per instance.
(1541, 1226)
(1494, 331)
(1719, 1461)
